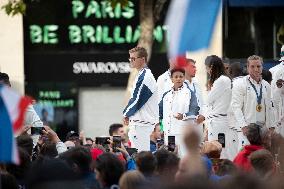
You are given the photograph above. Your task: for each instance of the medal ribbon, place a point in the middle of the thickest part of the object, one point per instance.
(194, 89)
(259, 97)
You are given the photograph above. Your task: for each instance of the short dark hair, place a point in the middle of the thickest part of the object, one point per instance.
(146, 162)
(48, 149)
(226, 167)
(110, 168)
(190, 60)
(114, 128)
(26, 142)
(236, 69)
(5, 78)
(166, 161)
(254, 134)
(80, 156)
(262, 161)
(266, 75)
(177, 70)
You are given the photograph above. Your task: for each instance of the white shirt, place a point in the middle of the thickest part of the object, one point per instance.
(164, 84)
(142, 108)
(172, 103)
(244, 102)
(219, 97)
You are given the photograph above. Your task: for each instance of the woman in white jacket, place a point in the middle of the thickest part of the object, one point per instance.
(178, 109)
(218, 103)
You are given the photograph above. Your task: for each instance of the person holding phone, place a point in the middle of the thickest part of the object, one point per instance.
(31, 117)
(218, 103)
(177, 109)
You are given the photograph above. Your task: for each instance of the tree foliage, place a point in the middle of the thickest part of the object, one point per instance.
(14, 7)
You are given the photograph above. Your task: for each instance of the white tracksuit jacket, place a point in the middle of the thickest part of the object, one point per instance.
(164, 84)
(244, 102)
(278, 99)
(142, 108)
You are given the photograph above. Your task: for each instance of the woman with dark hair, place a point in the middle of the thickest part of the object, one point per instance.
(108, 170)
(219, 98)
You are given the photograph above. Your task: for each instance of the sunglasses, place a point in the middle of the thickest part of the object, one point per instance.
(131, 59)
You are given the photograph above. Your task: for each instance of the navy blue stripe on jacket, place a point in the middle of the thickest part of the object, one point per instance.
(140, 96)
(161, 108)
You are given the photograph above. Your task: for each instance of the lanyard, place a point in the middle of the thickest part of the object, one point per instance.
(259, 97)
(194, 89)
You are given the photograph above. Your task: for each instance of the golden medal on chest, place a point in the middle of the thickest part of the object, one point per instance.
(258, 108)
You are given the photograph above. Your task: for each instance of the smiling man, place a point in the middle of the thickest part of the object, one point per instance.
(251, 99)
(141, 112)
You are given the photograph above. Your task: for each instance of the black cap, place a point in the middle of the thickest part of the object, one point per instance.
(70, 134)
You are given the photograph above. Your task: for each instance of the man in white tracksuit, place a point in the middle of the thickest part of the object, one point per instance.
(190, 71)
(277, 93)
(251, 99)
(164, 82)
(177, 109)
(142, 111)
(276, 68)
(278, 100)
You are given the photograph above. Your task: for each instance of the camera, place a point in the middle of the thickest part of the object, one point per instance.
(102, 140)
(221, 139)
(116, 143)
(37, 130)
(171, 143)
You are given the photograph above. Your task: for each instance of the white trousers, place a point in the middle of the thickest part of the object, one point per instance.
(232, 144)
(139, 136)
(220, 125)
(182, 151)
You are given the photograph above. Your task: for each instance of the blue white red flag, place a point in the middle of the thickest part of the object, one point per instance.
(190, 25)
(12, 111)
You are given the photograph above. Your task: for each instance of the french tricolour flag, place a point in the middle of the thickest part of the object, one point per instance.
(190, 25)
(12, 110)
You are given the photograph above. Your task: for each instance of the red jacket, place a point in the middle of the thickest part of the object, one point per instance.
(242, 161)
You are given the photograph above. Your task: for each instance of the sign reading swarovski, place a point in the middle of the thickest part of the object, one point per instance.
(101, 67)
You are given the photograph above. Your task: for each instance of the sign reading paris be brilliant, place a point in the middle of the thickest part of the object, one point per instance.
(85, 42)
(59, 25)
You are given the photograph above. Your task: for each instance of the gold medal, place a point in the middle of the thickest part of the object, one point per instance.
(258, 107)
